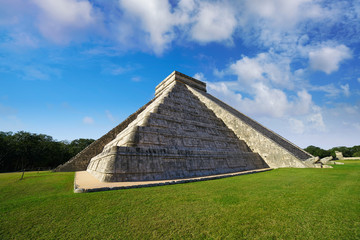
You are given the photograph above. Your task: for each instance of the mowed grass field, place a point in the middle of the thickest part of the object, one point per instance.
(279, 204)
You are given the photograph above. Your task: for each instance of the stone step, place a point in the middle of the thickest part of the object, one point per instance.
(163, 120)
(152, 164)
(189, 142)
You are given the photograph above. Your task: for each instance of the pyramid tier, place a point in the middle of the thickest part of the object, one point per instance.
(145, 164)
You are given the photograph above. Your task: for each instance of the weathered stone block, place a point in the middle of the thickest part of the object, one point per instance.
(326, 160)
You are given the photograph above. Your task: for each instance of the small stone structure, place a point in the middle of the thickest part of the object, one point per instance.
(326, 160)
(339, 155)
(185, 132)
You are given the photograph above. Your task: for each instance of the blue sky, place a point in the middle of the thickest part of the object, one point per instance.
(77, 68)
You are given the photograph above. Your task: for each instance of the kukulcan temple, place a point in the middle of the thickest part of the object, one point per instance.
(185, 132)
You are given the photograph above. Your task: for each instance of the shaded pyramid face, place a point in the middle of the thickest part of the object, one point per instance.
(176, 136)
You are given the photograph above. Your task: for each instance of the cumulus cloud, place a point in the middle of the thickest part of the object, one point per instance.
(88, 120)
(278, 23)
(265, 67)
(200, 21)
(283, 13)
(267, 88)
(248, 70)
(297, 126)
(328, 59)
(317, 122)
(263, 100)
(154, 25)
(303, 103)
(59, 20)
(271, 102)
(214, 22)
(155, 19)
(199, 76)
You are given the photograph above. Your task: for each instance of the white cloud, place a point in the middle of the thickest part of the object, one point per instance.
(329, 89)
(303, 103)
(284, 13)
(219, 74)
(225, 91)
(346, 89)
(328, 59)
(200, 21)
(154, 25)
(267, 81)
(199, 76)
(358, 80)
(67, 12)
(155, 19)
(265, 101)
(316, 121)
(88, 120)
(248, 70)
(265, 67)
(214, 22)
(61, 19)
(278, 24)
(271, 102)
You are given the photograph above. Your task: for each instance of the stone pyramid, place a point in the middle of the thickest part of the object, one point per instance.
(184, 132)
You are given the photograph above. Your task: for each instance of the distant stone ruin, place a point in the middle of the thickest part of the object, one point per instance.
(339, 155)
(185, 132)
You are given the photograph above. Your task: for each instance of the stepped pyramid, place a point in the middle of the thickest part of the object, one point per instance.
(184, 132)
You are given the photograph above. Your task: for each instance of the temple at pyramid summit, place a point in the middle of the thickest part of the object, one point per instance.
(185, 132)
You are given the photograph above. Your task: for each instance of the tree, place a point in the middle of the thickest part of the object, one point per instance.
(78, 145)
(357, 154)
(24, 150)
(317, 152)
(6, 149)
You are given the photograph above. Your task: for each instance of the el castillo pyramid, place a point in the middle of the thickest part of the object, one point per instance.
(185, 132)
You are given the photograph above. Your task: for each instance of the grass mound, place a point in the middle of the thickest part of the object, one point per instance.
(282, 203)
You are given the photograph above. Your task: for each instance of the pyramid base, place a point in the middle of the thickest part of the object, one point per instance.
(122, 164)
(85, 182)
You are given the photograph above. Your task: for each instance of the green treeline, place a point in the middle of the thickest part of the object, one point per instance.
(30, 151)
(346, 151)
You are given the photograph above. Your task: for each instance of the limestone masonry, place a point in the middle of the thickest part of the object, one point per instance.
(185, 132)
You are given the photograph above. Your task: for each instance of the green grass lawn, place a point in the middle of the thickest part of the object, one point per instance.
(279, 204)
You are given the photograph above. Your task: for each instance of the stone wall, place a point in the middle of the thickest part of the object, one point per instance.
(275, 150)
